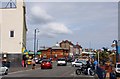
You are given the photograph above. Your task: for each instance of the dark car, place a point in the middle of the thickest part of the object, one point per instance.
(69, 59)
(46, 64)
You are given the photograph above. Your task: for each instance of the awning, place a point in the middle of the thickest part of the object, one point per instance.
(31, 53)
(39, 53)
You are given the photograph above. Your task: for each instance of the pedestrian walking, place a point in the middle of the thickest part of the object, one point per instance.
(95, 64)
(33, 64)
(26, 63)
(22, 63)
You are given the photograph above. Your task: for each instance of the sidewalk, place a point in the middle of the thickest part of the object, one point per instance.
(14, 69)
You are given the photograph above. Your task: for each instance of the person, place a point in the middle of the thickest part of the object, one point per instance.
(95, 64)
(101, 73)
(33, 64)
(26, 63)
(88, 67)
(22, 63)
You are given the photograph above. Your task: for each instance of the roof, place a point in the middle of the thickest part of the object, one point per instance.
(43, 49)
(88, 53)
(67, 41)
(56, 47)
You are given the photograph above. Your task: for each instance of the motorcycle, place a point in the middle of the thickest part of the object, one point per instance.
(84, 70)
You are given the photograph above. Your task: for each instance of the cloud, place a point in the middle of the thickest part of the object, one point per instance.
(53, 29)
(39, 15)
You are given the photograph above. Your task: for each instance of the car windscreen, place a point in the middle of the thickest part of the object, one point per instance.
(118, 65)
(45, 61)
(61, 59)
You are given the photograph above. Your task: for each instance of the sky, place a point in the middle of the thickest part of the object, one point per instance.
(91, 24)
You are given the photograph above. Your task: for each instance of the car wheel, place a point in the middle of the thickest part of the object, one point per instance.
(74, 65)
(6, 72)
(78, 72)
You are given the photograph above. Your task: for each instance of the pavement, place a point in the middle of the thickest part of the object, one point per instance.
(20, 68)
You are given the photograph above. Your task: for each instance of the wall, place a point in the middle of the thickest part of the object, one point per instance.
(12, 19)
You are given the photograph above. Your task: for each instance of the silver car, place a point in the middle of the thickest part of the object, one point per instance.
(3, 69)
(76, 63)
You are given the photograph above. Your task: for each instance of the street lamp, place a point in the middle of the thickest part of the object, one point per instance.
(37, 44)
(35, 31)
(115, 43)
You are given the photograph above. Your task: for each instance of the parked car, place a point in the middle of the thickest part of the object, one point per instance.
(77, 63)
(117, 69)
(46, 64)
(3, 69)
(61, 61)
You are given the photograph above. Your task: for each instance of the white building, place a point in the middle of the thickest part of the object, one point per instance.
(12, 29)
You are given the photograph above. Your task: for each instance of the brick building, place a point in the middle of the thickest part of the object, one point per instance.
(54, 52)
(73, 49)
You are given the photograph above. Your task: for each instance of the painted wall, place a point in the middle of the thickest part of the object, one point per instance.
(13, 19)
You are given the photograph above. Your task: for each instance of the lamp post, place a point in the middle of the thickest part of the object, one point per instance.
(115, 43)
(35, 31)
(37, 44)
(98, 58)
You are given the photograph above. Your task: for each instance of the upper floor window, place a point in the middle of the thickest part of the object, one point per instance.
(6, 4)
(12, 34)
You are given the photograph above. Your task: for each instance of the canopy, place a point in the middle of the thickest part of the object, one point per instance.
(90, 53)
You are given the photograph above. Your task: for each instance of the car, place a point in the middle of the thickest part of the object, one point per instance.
(77, 64)
(3, 69)
(36, 60)
(46, 64)
(39, 61)
(70, 59)
(117, 69)
(61, 61)
(83, 61)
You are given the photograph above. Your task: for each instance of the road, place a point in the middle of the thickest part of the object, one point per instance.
(57, 71)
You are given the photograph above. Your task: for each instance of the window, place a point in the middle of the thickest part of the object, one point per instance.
(11, 33)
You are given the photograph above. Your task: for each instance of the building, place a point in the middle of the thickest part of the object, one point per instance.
(13, 30)
(77, 49)
(53, 52)
(73, 49)
(65, 44)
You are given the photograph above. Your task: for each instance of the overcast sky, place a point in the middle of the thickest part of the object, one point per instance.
(91, 24)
